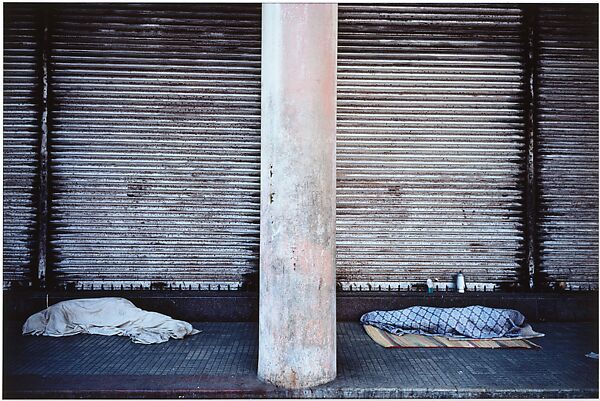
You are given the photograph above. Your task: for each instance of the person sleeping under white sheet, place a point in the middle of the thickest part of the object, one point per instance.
(106, 316)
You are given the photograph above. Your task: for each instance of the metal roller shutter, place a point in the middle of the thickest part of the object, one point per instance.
(568, 143)
(156, 145)
(20, 140)
(430, 145)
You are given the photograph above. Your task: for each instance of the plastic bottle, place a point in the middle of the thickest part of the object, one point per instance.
(460, 282)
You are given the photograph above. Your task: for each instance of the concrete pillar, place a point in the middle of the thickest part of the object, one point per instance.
(297, 344)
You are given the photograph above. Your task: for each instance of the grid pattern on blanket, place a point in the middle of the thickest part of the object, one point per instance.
(469, 322)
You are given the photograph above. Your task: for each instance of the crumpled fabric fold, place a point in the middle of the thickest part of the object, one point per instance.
(107, 317)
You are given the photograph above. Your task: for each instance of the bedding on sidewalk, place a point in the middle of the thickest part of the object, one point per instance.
(388, 340)
(472, 322)
(106, 316)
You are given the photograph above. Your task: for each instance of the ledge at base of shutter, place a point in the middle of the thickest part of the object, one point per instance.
(242, 306)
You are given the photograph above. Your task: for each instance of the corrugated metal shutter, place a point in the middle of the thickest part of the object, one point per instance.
(568, 143)
(430, 144)
(20, 140)
(156, 144)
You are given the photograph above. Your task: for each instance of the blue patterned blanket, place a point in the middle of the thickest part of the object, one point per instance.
(470, 322)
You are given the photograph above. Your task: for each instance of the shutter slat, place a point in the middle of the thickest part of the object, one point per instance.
(156, 145)
(567, 79)
(20, 140)
(430, 145)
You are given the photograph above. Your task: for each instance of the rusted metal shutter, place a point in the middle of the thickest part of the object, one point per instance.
(156, 145)
(567, 83)
(430, 145)
(20, 140)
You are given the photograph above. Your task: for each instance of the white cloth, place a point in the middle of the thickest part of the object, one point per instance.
(107, 317)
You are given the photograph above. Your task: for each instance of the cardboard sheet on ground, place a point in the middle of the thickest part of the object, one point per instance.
(388, 340)
(108, 317)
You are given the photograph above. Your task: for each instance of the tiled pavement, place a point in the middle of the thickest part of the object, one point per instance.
(221, 362)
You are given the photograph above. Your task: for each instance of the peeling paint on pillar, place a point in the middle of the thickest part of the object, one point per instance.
(297, 344)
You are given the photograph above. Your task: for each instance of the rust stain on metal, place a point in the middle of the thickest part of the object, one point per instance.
(156, 146)
(531, 261)
(430, 125)
(567, 74)
(21, 143)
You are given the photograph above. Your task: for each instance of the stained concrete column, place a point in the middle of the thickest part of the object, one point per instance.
(297, 345)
